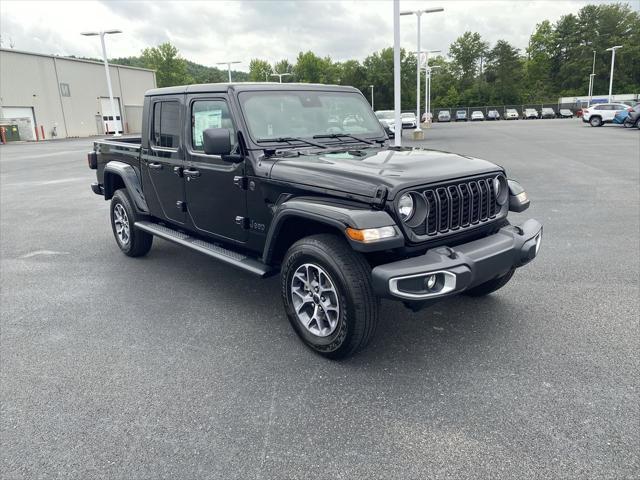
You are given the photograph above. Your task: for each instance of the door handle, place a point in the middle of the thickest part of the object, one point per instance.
(189, 173)
(155, 166)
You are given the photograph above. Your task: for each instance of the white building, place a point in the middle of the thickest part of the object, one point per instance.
(50, 96)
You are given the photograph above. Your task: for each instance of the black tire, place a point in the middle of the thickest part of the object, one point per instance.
(137, 243)
(628, 123)
(595, 121)
(490, 286)
(350, 274)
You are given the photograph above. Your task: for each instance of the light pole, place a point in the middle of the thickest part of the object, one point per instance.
(371, 87)
(228, 64)
(106, 69)
(591, 80)
(397, 138)
(613, 61)
(418, 14)
(426, 86)
(592, 77)
(280, 75)
(427, 79)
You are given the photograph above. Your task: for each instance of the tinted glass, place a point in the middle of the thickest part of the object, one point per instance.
(166, 124)
(272, 114)
(209, 114)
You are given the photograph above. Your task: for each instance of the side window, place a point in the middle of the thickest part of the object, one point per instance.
(209, 114)
(166, 124)
(600, 107)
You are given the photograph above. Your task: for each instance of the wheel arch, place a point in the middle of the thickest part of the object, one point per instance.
(301, 217)
(122, 175)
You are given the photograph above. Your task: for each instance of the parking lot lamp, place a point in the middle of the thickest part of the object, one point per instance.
(280, 75)
(613, 61)
(228, 64)
(106, 69)
(418, 14)
(428, 72)
(427, 84)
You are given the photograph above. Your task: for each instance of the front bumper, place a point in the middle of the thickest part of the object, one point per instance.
(457, 269)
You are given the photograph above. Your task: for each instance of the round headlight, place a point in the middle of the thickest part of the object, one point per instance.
(501, 189)
(406, 207)
(496, 186)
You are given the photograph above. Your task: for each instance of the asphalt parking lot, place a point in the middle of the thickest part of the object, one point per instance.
(175, 366)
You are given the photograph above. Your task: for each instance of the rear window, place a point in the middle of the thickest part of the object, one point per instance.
(166, 124)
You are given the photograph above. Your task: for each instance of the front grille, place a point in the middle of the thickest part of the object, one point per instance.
(458, 206)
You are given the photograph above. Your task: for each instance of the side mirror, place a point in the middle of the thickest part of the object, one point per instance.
(217, 141)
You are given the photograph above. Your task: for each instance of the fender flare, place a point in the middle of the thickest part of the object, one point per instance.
(131, 182)
(337, 215)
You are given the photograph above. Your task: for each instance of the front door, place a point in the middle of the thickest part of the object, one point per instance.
(162, 162)
(216, 202)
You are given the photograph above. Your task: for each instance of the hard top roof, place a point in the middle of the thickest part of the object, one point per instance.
(242, 87)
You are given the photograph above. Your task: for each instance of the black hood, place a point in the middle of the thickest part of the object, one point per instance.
(363, 171)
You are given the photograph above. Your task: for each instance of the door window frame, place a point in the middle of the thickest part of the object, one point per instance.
(152, 140)
(190, 147)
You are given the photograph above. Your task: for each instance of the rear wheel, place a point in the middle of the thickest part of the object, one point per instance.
(328, 297)
(595, 121)
(490, 286)
(132, 242)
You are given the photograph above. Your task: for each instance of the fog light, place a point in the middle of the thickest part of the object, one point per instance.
(430, 281)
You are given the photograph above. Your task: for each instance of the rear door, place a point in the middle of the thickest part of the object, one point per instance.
(216, 200)
(163, 160)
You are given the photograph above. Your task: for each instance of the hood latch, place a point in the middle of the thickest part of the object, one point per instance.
(380, 197)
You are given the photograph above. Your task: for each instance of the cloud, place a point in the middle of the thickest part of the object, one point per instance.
(210, 32)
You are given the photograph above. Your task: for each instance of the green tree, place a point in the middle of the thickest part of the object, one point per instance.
(171, 69)
(504, 73)
(466, 53)
(283, 66)
(260, 71)
(310, 68)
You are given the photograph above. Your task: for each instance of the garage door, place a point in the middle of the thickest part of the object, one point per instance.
(27, 127)
(112, 120)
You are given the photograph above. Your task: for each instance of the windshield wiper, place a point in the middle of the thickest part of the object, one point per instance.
(346, 135)
(289, 140)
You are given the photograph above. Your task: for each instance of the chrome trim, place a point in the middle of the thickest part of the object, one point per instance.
(449, 285)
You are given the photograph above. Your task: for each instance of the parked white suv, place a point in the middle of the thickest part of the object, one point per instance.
(597, 115)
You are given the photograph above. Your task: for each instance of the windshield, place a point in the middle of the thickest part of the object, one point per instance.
(408, 115)
(281, 114)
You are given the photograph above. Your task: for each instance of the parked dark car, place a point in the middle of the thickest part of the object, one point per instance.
(547, 112)
(565, 113)
(461, 116)
(259, 177)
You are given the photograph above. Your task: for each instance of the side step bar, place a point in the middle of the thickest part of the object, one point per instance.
(231, 257)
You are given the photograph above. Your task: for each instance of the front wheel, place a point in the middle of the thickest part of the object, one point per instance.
(132, 242)
(595, 121)
(328, 297)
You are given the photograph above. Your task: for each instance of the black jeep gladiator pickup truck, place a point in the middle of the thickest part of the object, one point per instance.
(299, 179)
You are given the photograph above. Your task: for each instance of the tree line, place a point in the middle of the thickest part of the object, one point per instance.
(557, 62)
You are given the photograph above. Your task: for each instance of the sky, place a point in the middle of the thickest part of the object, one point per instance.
(208, 32)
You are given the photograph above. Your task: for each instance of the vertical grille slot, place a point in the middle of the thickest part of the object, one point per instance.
(441, 195)
(458, 206)
(432, 218)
